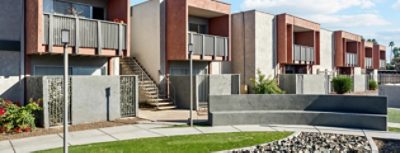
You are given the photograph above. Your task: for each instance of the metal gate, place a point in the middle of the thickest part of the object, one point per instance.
(128, 96)
(203, 86)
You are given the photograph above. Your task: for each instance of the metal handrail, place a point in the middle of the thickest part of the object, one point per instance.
(144, 76)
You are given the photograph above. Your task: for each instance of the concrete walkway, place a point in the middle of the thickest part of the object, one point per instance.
(157, 129)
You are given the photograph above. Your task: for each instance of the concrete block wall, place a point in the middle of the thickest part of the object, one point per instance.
(392, 92)
(369, 112)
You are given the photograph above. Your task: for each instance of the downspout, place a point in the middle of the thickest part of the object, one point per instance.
(22, 54)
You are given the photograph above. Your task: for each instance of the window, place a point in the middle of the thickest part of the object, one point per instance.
(198, 28)
(69, 8)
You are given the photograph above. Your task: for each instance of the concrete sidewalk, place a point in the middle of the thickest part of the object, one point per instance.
(157, 129)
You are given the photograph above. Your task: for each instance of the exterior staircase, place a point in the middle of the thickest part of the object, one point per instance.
(148, 87)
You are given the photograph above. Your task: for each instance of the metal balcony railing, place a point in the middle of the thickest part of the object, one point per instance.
(208, 45)
(368, 62)
(351, 59)
(85, 33)
(303, 54)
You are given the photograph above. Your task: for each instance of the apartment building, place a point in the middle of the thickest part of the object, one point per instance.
(30, 41)
(165, 28)
(12, 49)
(298, 44)
(99, 35)
(349, 54)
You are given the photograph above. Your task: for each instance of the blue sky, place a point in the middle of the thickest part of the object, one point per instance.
(379, 19)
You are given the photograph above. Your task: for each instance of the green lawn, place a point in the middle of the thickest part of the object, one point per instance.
(181, 144)
(394, 129)
(394, 115)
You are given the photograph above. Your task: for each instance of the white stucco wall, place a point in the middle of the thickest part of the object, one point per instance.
(326, 52)
(146, 36)
(265, 41)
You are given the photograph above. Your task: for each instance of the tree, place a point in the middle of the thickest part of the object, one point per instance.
(391, 45)
(396, 52)
(373, 41)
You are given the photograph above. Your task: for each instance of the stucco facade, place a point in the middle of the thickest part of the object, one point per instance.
(253, 45)
(326, 53)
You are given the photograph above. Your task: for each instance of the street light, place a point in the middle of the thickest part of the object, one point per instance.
(190, 48)
(65, 37)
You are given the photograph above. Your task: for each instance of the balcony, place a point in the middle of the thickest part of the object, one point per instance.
(303, 54)
(85, 33)
(368, 62)
(382, 63)
(209, 45)
(351, 59)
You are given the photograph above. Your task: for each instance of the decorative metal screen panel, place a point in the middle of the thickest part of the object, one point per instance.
(209, 45)
(128, 96)
(46, 29)
(62, 22)
(221, 46)
(56, 101)
(203, 88)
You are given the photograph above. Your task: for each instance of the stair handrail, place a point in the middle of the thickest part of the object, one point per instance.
(144, 74)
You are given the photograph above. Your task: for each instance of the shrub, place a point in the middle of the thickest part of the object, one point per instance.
(262, 85)
(342, 84)
(372, 85)
(14, 118)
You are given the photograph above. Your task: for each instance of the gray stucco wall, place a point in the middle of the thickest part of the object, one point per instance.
(305, 84)
(253, 44)
(324, 110)
(211, 85)
(9, 63)
(11, 19)
(147, 37)
(95, 98)
(326, 52)
(392, 92)
(12, 88)
(360, 83)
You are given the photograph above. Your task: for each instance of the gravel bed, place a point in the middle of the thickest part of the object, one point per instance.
(313, 143)
(388, 146)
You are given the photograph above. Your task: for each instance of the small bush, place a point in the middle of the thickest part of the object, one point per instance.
(342, 84)
(262, 85)
(372, 85)
(15, 118)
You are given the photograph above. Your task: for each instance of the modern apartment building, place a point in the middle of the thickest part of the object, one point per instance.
(349, 53)
(165, 28)
(298, 44)
(380, 57)
(30, 39)
(99, 35)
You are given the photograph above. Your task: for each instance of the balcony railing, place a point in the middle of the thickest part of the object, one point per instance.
(368, 62)
(303, 54)
(85, 33)
(208, 45)
(382, 63)
(351, 59)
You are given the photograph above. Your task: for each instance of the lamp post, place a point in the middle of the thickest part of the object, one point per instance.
(191, 83)
(65, 34)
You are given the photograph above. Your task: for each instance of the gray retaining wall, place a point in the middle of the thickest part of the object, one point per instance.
(393, 94)
(305, 84)
(92, 98)
(324, 110)
(203, 87)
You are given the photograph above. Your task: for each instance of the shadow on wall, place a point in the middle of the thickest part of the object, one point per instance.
(12, 88)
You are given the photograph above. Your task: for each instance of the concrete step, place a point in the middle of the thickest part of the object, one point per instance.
(158, 100)
(160, 104)
(166, 107)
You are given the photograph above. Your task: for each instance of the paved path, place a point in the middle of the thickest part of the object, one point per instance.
(394, 125)
(146, 130)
